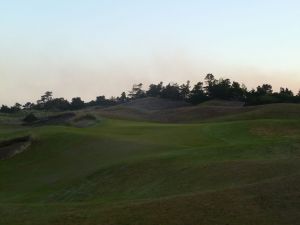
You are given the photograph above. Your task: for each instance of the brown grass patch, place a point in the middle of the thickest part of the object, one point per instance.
(275, 131)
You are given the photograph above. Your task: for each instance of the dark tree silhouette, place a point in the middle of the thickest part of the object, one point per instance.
(171, 91)
(137, 91)
(197, 94)
(77, 103)
(46, 97)
(57, 104)
(155, 90)
(6, 109)
(123, 97)
(184, 90)
(264, 89)
(28, 106)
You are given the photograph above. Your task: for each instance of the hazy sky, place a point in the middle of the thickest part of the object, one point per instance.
(88, 48)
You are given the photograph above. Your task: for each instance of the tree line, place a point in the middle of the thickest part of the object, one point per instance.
(211, 88)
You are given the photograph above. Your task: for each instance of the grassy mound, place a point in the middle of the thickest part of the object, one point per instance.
(215, 110)
(151, 103)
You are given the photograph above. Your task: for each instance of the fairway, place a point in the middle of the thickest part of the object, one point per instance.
(120, 172)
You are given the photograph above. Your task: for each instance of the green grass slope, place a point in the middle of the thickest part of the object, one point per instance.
(166, 111)
(117, 172)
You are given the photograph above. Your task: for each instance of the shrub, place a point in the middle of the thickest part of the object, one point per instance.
(30, 118)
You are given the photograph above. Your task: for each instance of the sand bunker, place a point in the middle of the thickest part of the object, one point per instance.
(84, 120)
(58, 119)
(10, 148)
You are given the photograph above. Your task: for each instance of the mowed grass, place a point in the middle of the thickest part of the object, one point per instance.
(120, 172)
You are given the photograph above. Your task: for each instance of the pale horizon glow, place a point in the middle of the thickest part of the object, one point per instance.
(91, 48)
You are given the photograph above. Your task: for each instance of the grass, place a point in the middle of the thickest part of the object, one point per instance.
(119, 172)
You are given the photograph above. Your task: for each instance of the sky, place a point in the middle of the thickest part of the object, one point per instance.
(89, 48)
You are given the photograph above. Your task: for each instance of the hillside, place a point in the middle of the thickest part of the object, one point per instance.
(162, 110)
(242, 166)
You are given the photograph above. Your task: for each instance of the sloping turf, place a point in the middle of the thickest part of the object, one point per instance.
(127, 173)
(214, 110)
